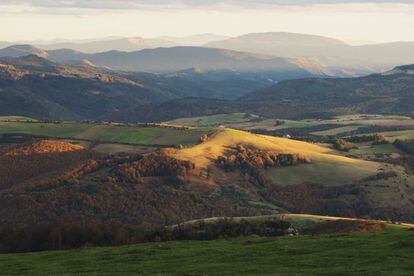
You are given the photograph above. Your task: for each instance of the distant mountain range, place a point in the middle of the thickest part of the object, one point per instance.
(313, 53)
(121, 44)
(166, 83)
(175, 59)
(194, 40)
(125, 44)
(282, 44)
(331, 53)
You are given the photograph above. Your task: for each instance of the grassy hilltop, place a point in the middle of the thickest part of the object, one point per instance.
(325, 161)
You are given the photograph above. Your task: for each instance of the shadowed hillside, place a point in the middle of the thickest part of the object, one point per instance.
(39, 160)
(33, 86)
(388, 93)
(36, 87)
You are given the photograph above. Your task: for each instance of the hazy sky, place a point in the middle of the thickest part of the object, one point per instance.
(77, 19)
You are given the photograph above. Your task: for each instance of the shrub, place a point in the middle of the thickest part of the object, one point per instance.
(343, 145)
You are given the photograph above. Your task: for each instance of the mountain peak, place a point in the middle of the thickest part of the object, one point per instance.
(22, 50)
(29, 62)
(282, 44)
(404, 69)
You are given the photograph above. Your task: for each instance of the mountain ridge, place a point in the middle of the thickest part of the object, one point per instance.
(173, 59)
(380, 56)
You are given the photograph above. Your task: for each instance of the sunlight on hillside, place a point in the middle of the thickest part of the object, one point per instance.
(205, 153)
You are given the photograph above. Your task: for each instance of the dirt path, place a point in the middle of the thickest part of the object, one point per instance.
(341, 218)
(308, 216)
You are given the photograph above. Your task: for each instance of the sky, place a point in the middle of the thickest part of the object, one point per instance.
(353, 21)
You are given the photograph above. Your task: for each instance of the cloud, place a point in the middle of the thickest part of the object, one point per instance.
(74, 19)
(141, 4)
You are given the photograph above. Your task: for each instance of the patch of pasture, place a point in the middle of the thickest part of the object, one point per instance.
(326, 172)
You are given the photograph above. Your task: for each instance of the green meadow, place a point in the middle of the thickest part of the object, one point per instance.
(388, 252)
(149, 135)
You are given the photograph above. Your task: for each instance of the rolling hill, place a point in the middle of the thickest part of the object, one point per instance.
(37, 160)
(33, 86)
(216, 84)
(22, 50)
(38, 87)
(387, 93)
(173, 185)
(203, 155)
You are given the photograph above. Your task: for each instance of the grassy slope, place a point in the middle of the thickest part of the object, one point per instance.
(323, 159)
(391, 136)
(15, 118)
(336, 131)
(327, 172)
(367, 149)
(213, 120)
(108, 133)
(345, 169)
(241, 121)
(402, 135)
(52, 130)
(379, 253)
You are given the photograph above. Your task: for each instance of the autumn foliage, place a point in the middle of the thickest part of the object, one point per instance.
(156, 164)
(254, 162)
(42, 158)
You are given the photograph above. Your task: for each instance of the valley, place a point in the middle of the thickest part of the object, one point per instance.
(226, 171)
(260, 85)
(276, 140)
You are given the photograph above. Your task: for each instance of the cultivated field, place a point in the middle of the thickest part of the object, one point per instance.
(112, 133)
(250, 121)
